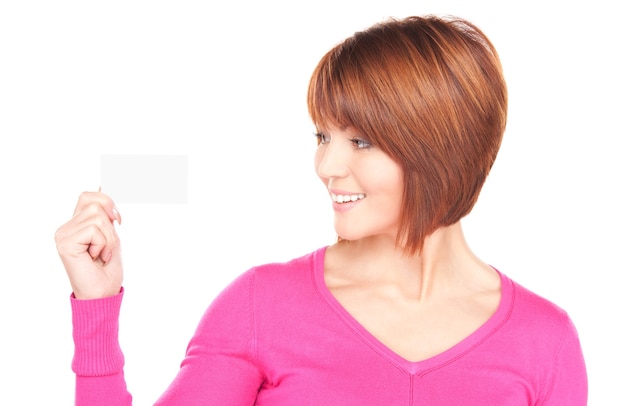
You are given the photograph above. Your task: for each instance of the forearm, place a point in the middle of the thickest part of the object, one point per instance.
(107, 390)
(98, 360)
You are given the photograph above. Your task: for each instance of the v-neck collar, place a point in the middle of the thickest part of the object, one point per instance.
(416, 367)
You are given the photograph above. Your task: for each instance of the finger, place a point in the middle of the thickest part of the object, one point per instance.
(87, 199)
(116, 214)
(111, 244)
(78, 241)
(90, 230)
(97, 245)
(104, 239)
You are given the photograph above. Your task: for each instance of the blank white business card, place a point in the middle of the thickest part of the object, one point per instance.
(145, 178)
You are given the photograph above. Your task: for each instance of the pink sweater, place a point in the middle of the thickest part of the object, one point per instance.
(276, 336)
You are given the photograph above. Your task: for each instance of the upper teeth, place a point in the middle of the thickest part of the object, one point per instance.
(347, 198)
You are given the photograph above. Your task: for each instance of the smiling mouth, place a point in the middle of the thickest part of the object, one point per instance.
(347, 198)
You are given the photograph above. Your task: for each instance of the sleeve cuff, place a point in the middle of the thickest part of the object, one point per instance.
(95, 331)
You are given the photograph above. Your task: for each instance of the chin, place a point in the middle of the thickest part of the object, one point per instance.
(350, 234)
(343, 236)
(354, 233)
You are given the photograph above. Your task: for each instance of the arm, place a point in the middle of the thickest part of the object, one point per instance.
(89, 248)
(98, 360)
(568, 385)
(220, 366)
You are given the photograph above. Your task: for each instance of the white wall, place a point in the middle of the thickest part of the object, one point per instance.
(225, 86)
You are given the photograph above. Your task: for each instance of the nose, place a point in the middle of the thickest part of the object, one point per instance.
(331, 161)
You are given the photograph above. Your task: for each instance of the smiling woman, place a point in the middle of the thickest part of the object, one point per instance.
(436, 103)
(365, 184)
(410, 114)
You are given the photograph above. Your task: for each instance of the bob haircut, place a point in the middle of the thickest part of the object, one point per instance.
(429, 92)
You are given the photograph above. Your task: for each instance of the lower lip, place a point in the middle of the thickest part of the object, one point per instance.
(344, 207)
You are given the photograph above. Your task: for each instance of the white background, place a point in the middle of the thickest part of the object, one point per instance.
(225, 85)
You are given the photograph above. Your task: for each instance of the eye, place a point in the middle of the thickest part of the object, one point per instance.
(322, 138)
(360, 144)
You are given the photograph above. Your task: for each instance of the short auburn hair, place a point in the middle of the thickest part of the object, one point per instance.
(430, 92)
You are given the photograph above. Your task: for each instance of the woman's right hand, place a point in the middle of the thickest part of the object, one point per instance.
(90, 248)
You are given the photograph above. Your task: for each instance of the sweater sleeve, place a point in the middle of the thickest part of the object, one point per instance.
(568, 385)
(220, 366)
(98, 360)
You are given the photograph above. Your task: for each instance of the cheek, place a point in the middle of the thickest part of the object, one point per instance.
(390, 184)
(388, 178)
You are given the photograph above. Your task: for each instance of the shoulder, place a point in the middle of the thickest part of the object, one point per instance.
(533, 314)
(288, 272)
(529, 302)
(274, 277)
(267, 284)
(541, 335)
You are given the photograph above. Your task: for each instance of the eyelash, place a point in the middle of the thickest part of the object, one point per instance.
(358, 143)
(321, 138)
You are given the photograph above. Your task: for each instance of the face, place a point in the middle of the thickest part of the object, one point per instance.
(365, 185)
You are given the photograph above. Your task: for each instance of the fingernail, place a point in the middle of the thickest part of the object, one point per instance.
(117, 215)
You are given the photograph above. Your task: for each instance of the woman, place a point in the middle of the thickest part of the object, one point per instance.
(410, 116)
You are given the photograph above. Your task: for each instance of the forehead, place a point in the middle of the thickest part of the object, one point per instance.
(330, 127)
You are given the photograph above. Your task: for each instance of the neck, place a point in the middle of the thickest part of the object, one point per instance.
(444, 265)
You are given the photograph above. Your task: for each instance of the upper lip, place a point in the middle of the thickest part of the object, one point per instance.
(343, 192)
(345, 197)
